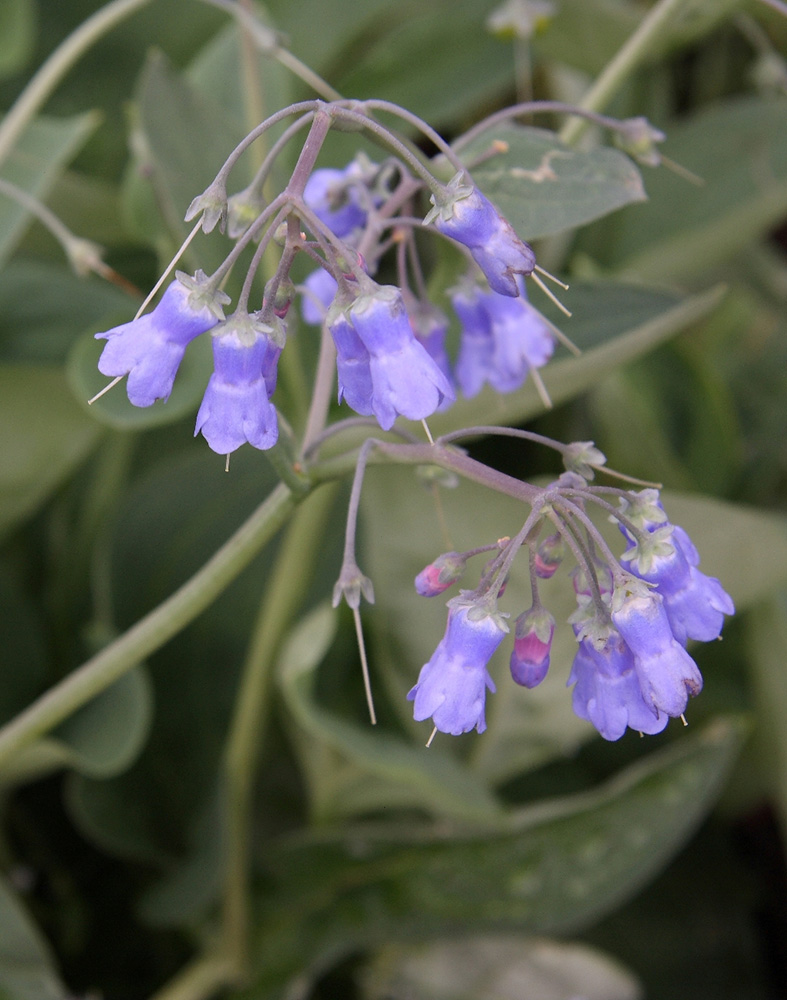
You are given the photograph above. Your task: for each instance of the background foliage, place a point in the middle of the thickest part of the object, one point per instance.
(380, 868)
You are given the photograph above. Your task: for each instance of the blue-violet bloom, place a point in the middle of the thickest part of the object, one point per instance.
(667, 674)
(319, 290)
(336, 198)
(352, 363)
(150, 349)
(236, 407)
(695, 604)
(607, 690)
(468, 217)
(405, 379)
(451, 687)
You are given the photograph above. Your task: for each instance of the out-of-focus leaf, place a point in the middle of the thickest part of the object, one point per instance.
(27, 970)
(169, 524)
(544, 187)
(101, 739)
(22, 639)
(554, 867)
(114, 408)
(182, 138)
(248, 87)
(686, 230)
(17, 34)
(497, 968)
(38, 158)
(44, 307)
(45, 437)
(355, 770)
(398, 59)
(768, 635)
(612, 324)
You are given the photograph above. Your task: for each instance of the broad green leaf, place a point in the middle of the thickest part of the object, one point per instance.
(101, 739)
(354, 769)
(400, 60)
(248, 89)
(544, 187)
(27, 970)
(612, 324)
(114, 408)
(44, 307)
(17, 35)
(168, 525)
(553, 867)
(182, 139)
(39, 157)
(497, 968)
(739, 149)
(45, 437)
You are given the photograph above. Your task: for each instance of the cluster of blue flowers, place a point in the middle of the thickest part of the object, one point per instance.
(635, 614)
(633, 621)
(391, 356)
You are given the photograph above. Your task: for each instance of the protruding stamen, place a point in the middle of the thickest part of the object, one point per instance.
(538, 382)
(172, 263)
(106, 388)
(429, 741)
(428, 432)
(549, 294)
(682, 171)
(548, 274)
(364, 665)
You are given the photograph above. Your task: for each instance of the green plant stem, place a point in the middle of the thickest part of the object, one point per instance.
(152, 631)
(633, 52)
(201, 979)
(52, 71)
(280, 603)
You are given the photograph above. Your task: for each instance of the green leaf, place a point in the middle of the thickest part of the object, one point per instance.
(39, 157)
(182, 139)
(397, 58)
(497, 968)
(44, 307)
(17, 35)
(612, 324)
(114, 409)
(101, 739)
(27, 970)
(353, 769)
(544, 187)
(739, 149)
(45, 437)
(551, 868)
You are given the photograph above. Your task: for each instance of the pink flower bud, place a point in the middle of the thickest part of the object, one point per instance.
(532, 644)
(438, 576)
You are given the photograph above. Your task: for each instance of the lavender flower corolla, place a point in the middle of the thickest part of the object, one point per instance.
(502, 340)
(336, 198)
(695, 604)
(452, 686)
(405, 379)
(468, 217)
(236, 407)
(150, 349)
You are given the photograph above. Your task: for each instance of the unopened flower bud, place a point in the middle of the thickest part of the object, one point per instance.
(532, 644)
(441, 574)
(549, 556)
